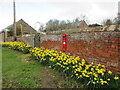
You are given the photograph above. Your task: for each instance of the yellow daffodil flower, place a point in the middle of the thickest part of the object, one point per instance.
(116, 78)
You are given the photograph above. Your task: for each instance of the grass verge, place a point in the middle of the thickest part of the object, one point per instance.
(17, 72)
(21, 71)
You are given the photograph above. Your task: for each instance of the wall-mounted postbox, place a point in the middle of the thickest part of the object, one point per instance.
(64, 40)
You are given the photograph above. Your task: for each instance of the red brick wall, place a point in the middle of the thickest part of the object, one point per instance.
(51, 42)
(97, 47)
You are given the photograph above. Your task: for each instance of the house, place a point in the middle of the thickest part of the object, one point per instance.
(3, 36)
(21, 27)
(81, 24)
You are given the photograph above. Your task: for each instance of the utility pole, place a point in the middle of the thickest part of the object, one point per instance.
(14, 12)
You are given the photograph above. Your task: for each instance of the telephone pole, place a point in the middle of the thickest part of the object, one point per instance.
(14, 13)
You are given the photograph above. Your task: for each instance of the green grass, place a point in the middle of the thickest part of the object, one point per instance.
(20, 70)
(17, 72)
(0, 67)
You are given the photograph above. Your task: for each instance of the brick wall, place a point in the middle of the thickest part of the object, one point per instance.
(97, 47)
(51, 42)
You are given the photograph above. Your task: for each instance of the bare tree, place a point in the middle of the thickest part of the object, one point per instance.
(107, 22)
(39, 26)
(41, 29)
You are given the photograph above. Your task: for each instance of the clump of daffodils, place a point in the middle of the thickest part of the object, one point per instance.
(75, 67)
(20, 46)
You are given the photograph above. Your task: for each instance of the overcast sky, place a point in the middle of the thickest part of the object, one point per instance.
(33, 11)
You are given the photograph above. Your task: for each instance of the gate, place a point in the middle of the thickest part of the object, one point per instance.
(37, 40)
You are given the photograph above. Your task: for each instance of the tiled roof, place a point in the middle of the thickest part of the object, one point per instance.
(26, 26)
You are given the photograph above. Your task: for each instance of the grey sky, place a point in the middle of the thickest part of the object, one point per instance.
(33, 11)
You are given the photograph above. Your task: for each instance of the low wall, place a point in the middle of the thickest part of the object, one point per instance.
(97, 47)
(26, 39)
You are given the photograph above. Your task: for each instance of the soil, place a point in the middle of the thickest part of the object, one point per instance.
(28, 59)
(47, 79)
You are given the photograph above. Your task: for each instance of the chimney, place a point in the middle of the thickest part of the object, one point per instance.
(118, 17)
(119, 7)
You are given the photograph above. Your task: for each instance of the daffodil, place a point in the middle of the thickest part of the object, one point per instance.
(94, 82)
(108, 79)
(87, 76)
(103, 66)
(99, 64)
(76, 74)
(80, 76)
(116, 78)
(109, 72)
(95, 78)
(92, 69)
